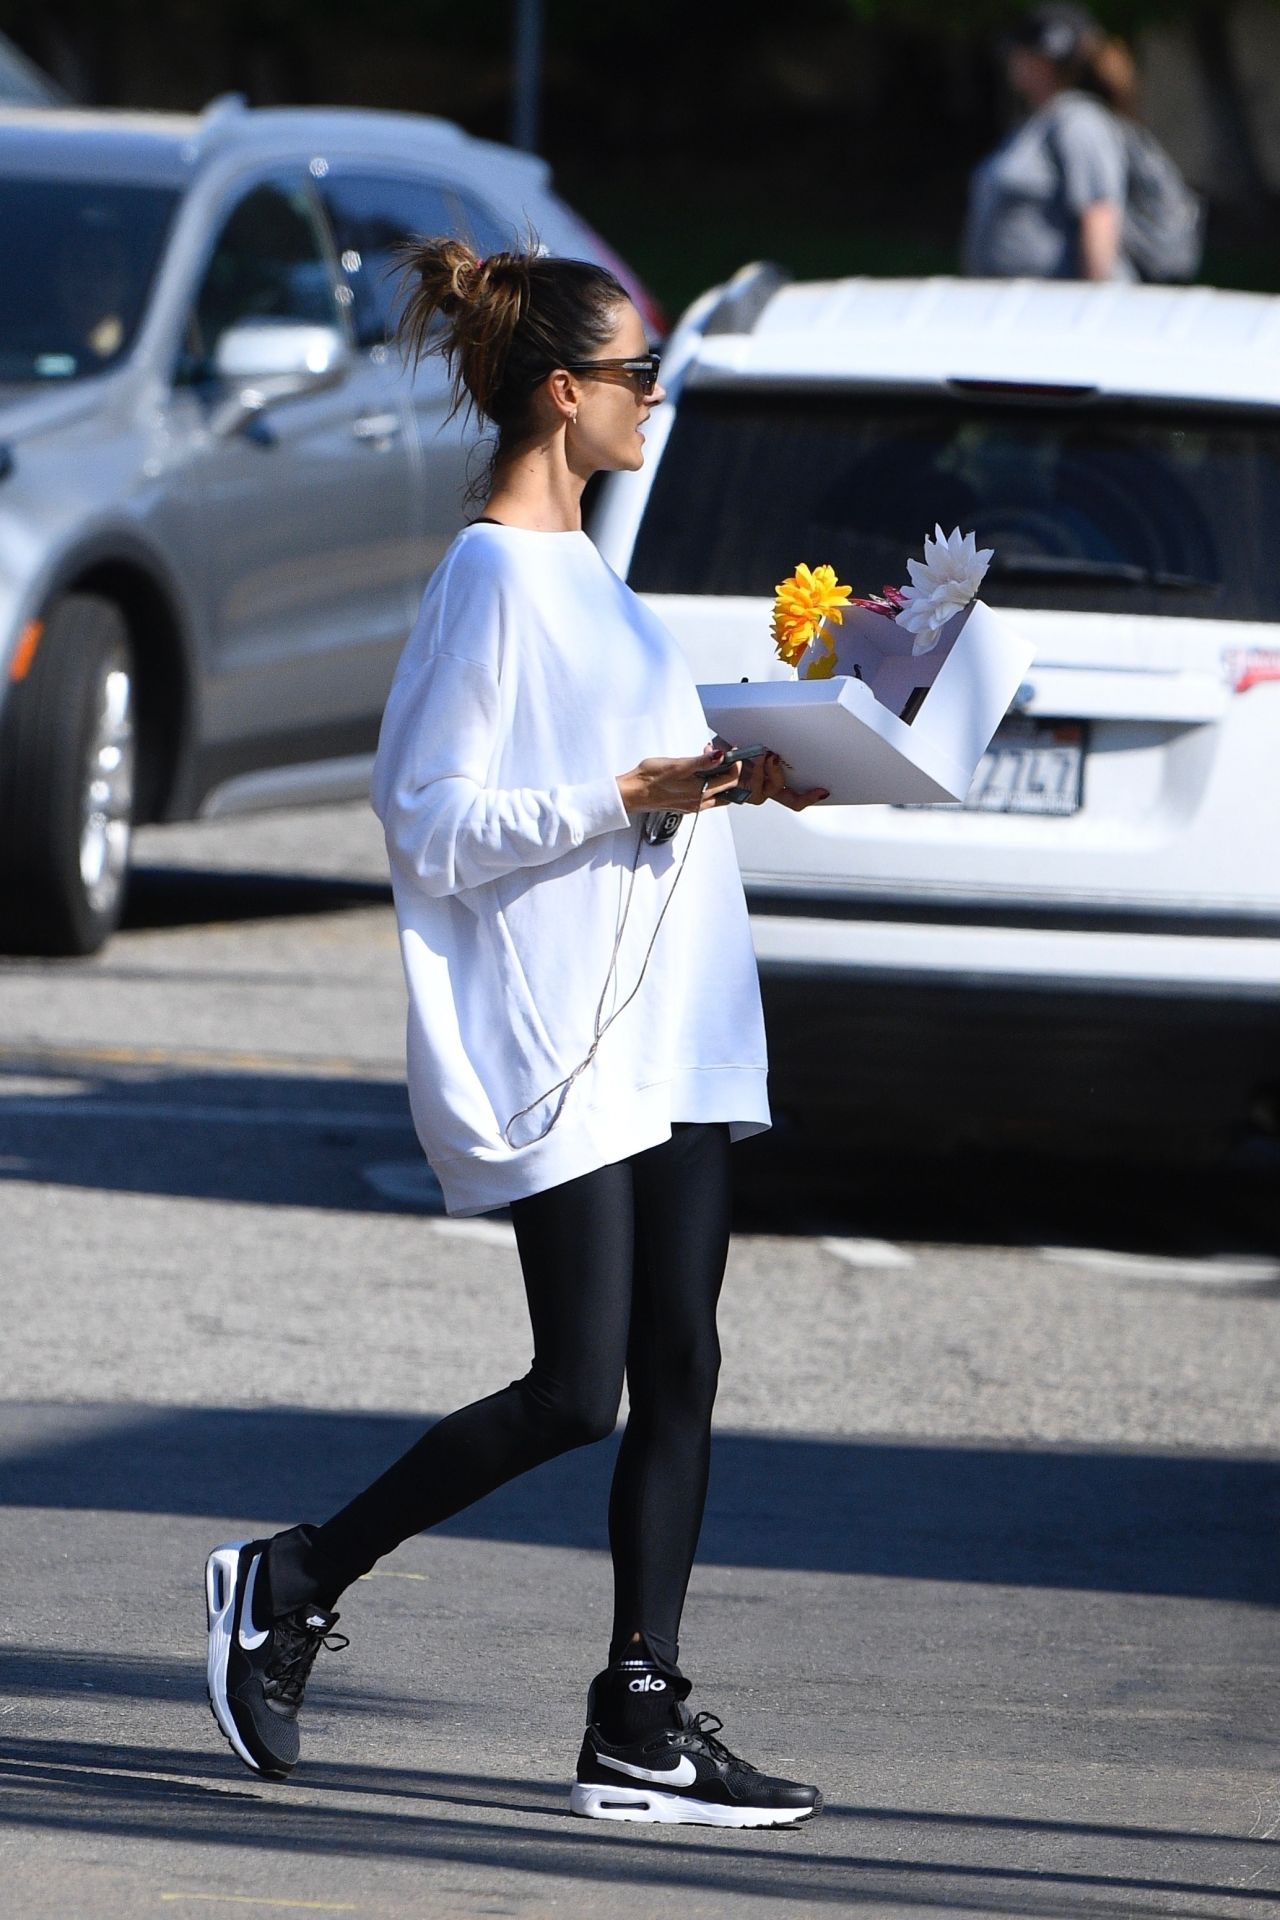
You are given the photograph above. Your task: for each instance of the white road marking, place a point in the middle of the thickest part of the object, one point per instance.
(1213, 1270)
(18, 1086)
(409, 1182)
(868, 1253)
(489, 1233)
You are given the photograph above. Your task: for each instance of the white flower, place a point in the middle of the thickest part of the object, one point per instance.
(942, 584)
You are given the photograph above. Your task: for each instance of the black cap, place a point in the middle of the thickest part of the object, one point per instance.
(1058, 32)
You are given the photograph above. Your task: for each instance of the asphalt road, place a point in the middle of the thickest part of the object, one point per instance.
(991, 1545)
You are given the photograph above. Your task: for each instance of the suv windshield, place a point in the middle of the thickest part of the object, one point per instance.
(1104, 506)
(80, 257)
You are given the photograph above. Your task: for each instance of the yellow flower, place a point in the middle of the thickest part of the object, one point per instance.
(805, 601)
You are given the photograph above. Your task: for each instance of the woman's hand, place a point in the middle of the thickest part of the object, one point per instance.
(765, 780)
(693, 785)
(678, 786)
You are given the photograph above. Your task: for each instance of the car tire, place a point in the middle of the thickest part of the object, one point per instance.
(67, 783)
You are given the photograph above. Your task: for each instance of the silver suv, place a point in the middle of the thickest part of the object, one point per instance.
(220, 494)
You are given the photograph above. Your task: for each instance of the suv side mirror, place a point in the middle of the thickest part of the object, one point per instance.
(262, 362)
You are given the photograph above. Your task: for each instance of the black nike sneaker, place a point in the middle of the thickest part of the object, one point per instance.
(681, 1774)
(257, 1674)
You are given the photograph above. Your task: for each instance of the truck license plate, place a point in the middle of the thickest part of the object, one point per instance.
(1032, 766)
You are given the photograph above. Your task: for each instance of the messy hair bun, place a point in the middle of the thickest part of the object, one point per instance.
(502, 324)
(480, 303)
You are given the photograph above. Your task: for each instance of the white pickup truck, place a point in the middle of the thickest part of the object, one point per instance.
(1104, 907)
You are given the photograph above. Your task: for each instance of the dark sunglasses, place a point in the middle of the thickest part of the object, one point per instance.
(643, 369)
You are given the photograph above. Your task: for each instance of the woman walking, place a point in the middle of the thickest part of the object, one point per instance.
(1050, 202)
(585, 1037)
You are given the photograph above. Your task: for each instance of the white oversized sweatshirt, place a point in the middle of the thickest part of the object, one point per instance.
(532, 679)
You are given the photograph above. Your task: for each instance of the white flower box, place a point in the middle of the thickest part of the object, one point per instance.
(912, 728)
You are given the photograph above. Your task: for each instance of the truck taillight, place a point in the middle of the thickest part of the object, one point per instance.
(1246, 667)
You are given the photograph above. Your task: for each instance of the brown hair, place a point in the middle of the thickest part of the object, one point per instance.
(1110, 72)
(502, 324)
(1081, 52)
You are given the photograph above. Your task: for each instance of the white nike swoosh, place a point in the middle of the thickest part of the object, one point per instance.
(683, 1774)
(251, 1640)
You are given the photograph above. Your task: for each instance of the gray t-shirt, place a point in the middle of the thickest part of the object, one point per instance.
(1025, 199)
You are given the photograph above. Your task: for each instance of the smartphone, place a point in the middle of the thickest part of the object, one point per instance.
(658, 828)
(743, 757)
(661, 827)
(744, 753)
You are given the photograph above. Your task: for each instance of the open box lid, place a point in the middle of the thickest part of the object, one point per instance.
(836, 734)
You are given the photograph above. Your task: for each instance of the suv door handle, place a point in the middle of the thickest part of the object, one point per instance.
(376, 426)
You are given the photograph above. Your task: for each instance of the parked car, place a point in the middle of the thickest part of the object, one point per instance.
(221, 495)
(22, 83)
(1100, 919)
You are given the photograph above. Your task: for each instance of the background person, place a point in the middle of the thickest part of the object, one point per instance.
(585, 1035)
(1049, 203)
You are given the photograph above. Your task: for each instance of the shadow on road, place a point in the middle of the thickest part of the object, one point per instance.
(170, 1797)
(256, 1138)
(279, 1139)
(1202, 1527)
(199, 897)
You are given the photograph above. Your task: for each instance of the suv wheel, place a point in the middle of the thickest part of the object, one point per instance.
(67, 791)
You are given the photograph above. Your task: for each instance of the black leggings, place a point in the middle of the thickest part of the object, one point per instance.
(622, 1269)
